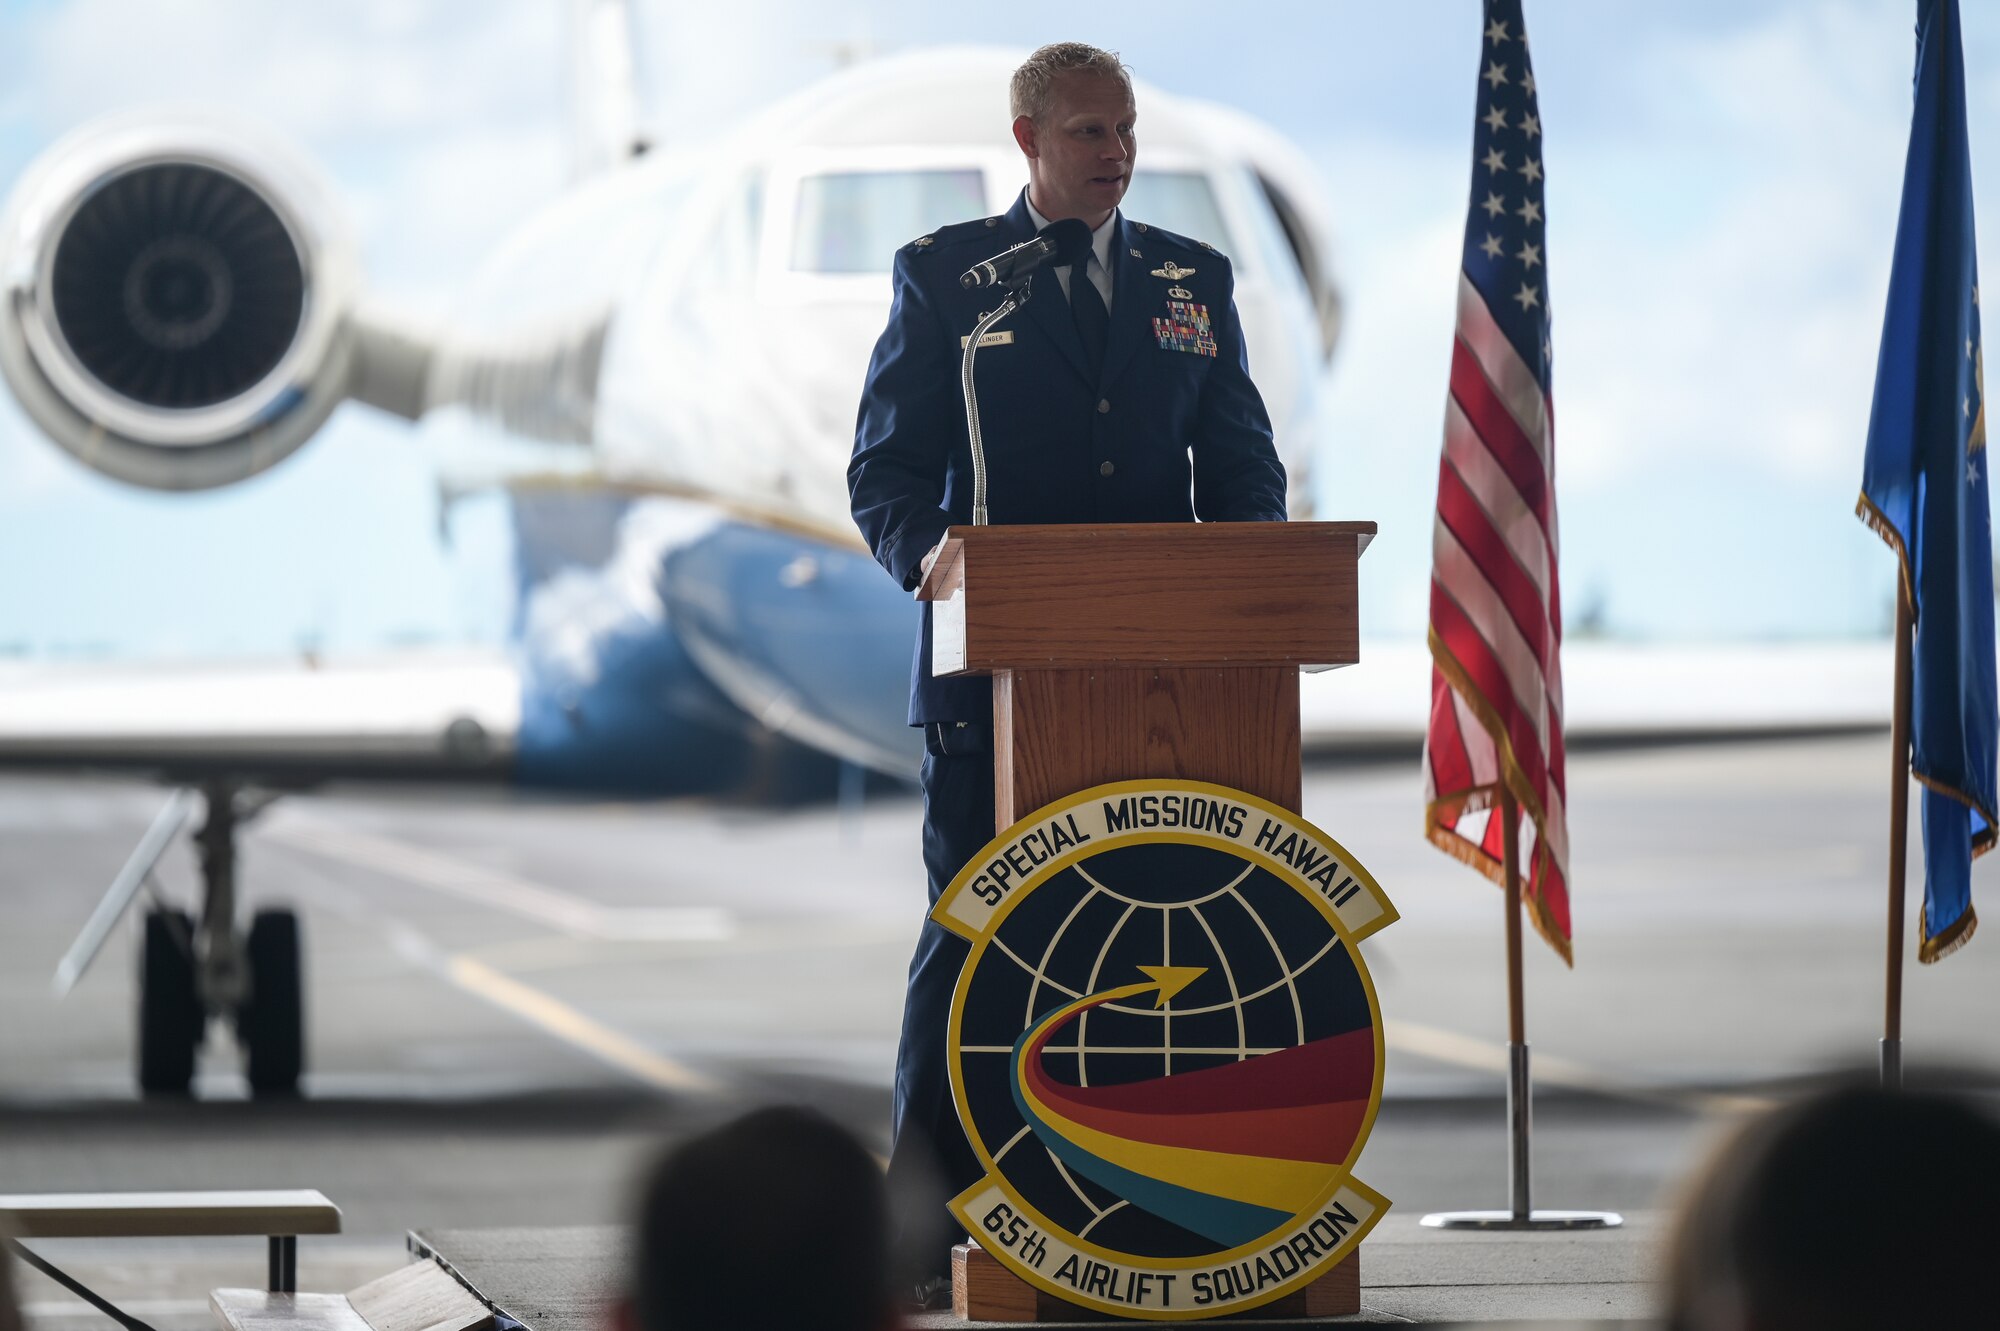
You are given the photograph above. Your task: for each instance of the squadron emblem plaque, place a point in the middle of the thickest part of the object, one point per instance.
(1165, 1048)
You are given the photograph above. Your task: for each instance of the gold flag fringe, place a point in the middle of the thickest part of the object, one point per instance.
(1984, 841)
(1468, 854)
(1878, 522)
(1960, 933)
(1951, 940)
(1487, 797)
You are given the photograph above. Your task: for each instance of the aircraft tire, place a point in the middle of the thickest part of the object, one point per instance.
(170, 1012)
(272, 1021)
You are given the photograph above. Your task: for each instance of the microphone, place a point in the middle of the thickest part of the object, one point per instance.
(1009, 266)
(1059, 243)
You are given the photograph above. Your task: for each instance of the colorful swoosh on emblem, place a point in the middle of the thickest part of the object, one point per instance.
(1229, 1152)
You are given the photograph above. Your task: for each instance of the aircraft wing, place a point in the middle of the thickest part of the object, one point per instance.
(1625, 692)
(429, 715)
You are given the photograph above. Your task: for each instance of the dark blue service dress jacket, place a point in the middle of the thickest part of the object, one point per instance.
(1173, 430)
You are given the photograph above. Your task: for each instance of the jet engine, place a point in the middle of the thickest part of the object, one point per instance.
(177, 301)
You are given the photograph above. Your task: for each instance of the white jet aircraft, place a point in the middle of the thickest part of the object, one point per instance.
(659, 372)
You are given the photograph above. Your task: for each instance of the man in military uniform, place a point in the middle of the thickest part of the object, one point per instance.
(1122, 395)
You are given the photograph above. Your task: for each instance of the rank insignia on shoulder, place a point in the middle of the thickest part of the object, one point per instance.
(1172, 271)
(1186, 328)
(922, 241)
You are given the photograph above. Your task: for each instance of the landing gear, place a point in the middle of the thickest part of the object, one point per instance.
(170, 1012)
(271, 1019)
(191, 970)
(253, 980)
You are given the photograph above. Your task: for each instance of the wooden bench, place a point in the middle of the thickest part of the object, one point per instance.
(279, 1217)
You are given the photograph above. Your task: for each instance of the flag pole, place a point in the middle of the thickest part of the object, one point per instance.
(1519, 1101)
(1520, 1212)
(1899, 835)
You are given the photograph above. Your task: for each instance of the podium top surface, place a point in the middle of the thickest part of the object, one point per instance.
(1165, 594)
(1208, 540)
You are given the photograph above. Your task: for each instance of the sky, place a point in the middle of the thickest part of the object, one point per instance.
(1722, 187)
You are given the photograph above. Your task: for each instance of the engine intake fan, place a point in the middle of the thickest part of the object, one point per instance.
(177, 301)
(177, 286)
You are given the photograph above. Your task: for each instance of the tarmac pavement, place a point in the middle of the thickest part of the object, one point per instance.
(514, 1001)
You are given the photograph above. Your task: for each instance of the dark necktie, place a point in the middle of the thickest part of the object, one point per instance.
(1093, 321)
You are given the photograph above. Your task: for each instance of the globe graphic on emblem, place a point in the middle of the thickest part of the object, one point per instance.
(1167, 1129)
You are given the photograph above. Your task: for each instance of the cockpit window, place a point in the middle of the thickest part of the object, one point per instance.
(855, 221)
(1180, 201)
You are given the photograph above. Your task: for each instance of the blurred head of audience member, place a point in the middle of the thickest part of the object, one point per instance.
(779, 1219)
(1857, 1208)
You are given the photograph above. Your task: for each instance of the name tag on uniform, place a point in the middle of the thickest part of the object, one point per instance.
(991, 339)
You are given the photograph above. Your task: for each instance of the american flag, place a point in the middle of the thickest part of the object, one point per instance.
(1496, 618)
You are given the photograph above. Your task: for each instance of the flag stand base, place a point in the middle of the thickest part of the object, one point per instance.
(1532, 1220)
(1521, 1215)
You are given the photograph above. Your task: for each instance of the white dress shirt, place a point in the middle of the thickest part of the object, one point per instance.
(1100, 245)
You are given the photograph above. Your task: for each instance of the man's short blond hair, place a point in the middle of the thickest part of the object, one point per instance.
(1033, 86)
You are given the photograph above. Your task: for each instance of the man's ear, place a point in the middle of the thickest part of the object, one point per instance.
(1024, 134)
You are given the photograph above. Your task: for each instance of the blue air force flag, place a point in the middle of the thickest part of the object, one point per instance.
(1924, 484)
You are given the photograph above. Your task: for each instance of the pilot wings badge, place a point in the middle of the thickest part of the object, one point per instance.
(1172, 271)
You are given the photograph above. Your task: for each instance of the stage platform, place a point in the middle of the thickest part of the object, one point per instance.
(559, 1279)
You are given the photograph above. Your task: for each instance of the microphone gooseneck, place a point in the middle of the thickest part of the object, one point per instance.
(1064, 242)
(1017, 296)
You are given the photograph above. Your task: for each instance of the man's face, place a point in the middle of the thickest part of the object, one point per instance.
(1080, 153)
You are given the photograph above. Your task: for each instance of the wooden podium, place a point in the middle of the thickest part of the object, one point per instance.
(1164, 649)
(1138, 650)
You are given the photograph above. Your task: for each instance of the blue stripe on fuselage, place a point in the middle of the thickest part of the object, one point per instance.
(661, 643)
(610, 699)
(811, 637)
